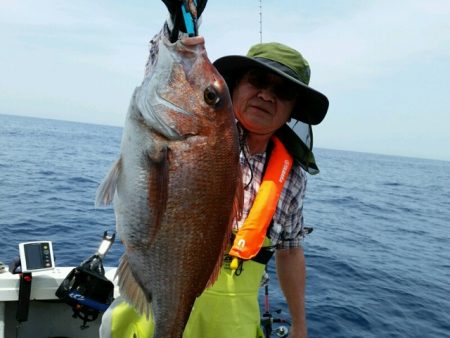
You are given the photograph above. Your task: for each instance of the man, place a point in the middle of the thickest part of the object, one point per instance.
(269, 87)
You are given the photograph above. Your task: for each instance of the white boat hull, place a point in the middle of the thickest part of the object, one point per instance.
(47, 316)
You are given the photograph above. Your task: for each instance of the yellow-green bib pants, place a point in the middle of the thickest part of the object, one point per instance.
(228, 309)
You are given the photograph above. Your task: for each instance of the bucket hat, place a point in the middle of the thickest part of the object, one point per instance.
(286, 62)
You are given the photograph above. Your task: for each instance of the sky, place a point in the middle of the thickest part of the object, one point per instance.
(384, 65)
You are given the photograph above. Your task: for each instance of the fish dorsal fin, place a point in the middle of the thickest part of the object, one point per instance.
(130, 288)
(106, 190)
(238, 204)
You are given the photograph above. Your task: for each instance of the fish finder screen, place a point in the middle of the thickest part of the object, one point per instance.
(34, 257)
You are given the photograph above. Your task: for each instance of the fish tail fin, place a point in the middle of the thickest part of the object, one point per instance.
(130, 289)
(238, 204)
(106, 190)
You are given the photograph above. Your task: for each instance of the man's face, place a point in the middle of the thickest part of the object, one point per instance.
(263, 101)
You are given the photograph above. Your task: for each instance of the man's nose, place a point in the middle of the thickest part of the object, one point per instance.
(267, 94)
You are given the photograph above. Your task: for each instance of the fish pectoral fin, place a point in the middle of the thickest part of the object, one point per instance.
(158, 186)
(130, 288)
(106, 190)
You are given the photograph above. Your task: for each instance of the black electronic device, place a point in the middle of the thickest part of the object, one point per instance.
(36, 256)
(86, 289)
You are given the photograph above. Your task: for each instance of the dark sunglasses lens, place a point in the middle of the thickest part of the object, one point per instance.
(285, 92)
(261, 80)
(257, 79)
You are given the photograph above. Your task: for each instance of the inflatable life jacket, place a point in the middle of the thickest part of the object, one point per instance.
(250, 237)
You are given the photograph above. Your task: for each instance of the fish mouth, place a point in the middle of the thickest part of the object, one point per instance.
(170, 105)
(157, 124)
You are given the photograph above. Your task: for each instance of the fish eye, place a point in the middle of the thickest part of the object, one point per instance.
(211, 96)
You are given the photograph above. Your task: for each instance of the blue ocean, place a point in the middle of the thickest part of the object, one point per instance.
(378, 260)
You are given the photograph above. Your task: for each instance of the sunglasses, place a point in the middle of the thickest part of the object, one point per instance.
(261, 80)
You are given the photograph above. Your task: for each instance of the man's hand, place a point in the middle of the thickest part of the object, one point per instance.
(174, 7)
(292, 277)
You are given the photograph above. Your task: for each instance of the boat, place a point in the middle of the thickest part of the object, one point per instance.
(48, 301)
(48, 316)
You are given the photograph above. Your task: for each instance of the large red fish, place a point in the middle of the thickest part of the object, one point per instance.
(175, 183)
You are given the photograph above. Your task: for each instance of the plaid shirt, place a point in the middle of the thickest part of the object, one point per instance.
(287, 228)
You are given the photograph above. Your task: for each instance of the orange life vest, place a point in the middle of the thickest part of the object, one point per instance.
(250, 236)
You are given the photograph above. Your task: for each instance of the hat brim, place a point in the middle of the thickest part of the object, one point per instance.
(312, 105)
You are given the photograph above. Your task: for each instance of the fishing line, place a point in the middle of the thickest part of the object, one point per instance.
(242, 138)
(260, 21)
